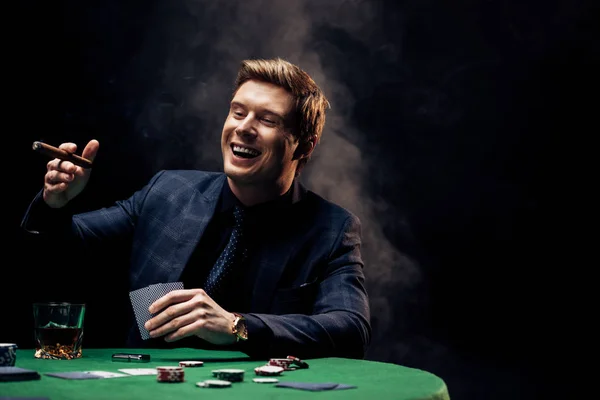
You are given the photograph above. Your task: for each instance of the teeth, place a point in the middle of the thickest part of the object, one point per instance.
(240, 149)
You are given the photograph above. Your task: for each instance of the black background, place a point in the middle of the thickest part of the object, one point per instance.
(460, 133)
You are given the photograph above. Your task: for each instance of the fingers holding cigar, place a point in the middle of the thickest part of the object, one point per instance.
(67, 173)
(62, 162)
(66, 152)
(62, 169)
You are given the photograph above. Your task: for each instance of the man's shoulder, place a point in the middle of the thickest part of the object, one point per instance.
(187, 176)
(326, 208)
(180, 181)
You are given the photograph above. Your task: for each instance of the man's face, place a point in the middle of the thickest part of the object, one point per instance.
(257, 144)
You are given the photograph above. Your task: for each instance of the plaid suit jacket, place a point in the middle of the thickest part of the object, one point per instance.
(309, 297)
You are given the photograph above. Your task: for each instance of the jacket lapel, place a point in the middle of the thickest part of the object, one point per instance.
(194, 220)
(272, 259)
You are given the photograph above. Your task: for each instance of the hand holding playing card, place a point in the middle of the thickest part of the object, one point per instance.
(142, 298)
(190, 312)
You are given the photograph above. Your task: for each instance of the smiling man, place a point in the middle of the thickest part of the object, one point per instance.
(268, 267)
(261, 152)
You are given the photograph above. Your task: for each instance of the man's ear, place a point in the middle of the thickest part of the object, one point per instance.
(305, 148)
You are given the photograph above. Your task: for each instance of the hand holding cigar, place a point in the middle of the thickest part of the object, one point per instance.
(65, 180)
(55, 152)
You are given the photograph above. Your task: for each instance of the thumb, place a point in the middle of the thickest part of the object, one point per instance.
(91, 149)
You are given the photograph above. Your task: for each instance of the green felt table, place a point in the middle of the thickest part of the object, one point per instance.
(373, 380)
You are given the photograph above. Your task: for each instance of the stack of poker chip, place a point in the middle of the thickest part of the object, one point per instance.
(268, 370)
(169, 374)
(284, 363)
(230, 375)
(298, 363)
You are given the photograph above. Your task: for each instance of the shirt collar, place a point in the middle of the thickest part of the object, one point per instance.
(228, 200)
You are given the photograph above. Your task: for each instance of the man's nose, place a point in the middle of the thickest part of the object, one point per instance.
(246, 127)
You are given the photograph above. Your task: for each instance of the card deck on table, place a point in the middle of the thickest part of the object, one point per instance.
(142, 298)
(139, 371)
(106, 374)
(12, 374)
(86, 374)
(73, 375)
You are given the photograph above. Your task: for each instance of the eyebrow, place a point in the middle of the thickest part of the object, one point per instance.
(266, 110)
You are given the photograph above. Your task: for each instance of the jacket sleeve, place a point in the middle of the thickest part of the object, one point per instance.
(113, 224)
(339, 325)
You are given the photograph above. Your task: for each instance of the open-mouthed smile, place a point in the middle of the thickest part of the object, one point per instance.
(244, 151)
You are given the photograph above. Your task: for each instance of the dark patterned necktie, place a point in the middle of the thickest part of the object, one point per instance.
(233, 254)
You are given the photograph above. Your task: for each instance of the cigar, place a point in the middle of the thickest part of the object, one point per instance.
(55, 152)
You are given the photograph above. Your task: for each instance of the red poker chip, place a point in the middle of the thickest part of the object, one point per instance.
(171, 379)
(174, 374)
(268, 370)
(298, 362)
(169, 371)
(280, 361)
(285, 363)
(191, 363)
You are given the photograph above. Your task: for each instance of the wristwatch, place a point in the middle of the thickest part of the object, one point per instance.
(239, 328)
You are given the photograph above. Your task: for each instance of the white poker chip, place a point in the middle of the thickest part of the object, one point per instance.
(265, 380)
(268, 370)
(191, 363)
(216, 383)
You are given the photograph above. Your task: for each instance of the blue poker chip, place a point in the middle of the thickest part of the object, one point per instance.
(231, 375)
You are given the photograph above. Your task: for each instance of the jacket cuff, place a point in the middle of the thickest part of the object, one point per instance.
(40, 218)
(259, 338)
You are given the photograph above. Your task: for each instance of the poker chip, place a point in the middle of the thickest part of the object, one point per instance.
(169, 374)
(268, 370)
(169, 368)
(265, 380)
(191, 363)
(213, 383)
(298, 363)
(231, 375)
(284, 363)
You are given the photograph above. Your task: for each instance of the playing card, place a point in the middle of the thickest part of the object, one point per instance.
(170, 286)
(142, 298)
(73, 375)
(106, 374)
(139, 371)
(139, 302)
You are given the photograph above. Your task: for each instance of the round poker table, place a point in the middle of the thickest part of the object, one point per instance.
(362, 379)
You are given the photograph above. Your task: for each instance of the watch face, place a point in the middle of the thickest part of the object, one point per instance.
(242, 331)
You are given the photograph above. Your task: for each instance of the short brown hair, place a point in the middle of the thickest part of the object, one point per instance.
(311, 103)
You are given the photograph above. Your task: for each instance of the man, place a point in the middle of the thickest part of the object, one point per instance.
(297, 285)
